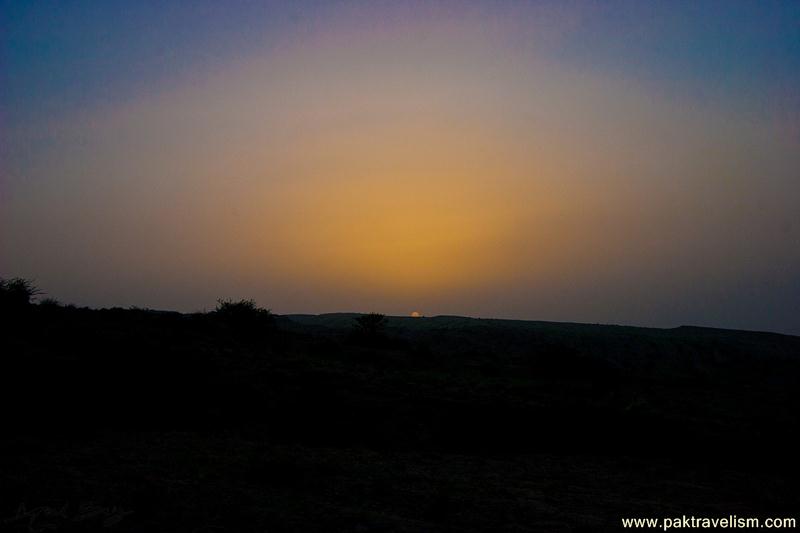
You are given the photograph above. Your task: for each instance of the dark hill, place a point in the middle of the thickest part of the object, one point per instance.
(136, 420)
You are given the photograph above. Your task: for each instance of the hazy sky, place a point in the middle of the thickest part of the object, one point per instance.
(615, 162)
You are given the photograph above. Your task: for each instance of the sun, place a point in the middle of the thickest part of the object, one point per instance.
(416, 314)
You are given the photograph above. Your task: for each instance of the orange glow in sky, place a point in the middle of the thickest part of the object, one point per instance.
(383, 159)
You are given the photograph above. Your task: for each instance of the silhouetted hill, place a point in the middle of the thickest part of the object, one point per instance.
(163, 421)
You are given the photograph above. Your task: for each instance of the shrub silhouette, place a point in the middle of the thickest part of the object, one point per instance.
(244, 314)
(50, 303)
(371, 325)
(17, 293)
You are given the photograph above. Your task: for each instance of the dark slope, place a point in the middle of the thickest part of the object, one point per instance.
(196, 422)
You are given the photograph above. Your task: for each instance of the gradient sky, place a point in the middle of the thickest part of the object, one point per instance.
(614, 162)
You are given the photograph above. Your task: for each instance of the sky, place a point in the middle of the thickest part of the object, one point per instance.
(617, 162)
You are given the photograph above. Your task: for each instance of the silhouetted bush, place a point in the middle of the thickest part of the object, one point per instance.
(50, 303)
(244, 314)
(16, 293)
(371, 325)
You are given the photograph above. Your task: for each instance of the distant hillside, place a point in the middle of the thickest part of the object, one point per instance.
(439, 322)
(681, 349)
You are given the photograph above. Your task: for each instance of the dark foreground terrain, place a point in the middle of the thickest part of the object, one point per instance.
(135, 420)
